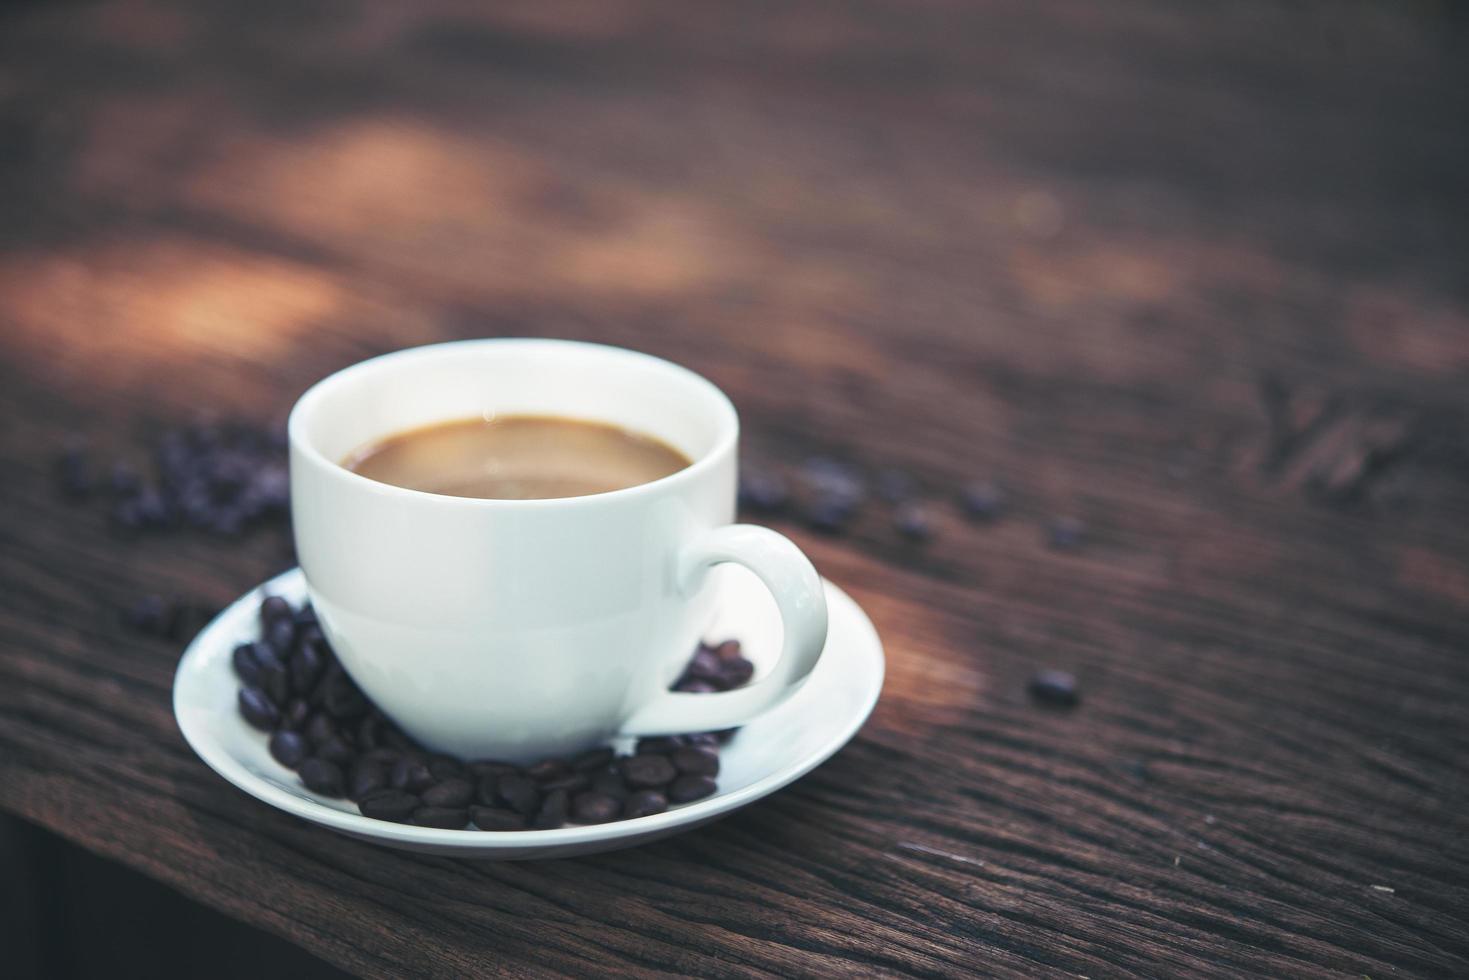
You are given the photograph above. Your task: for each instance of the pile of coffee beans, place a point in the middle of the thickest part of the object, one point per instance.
(222, 477)
(340, 745)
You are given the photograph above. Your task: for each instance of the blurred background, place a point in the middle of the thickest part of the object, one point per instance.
(1063, 244)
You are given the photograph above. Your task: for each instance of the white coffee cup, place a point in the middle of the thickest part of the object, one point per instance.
(519, 629)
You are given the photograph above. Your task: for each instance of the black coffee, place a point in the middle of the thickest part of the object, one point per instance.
(517, 457)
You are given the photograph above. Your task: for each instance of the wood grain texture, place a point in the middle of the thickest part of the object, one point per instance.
(1195, 274)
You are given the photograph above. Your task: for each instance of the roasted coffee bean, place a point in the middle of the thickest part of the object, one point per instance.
(685, 789)
(572, 782)
(702, 740)
(737, 672)
(592, 759)
(1054, 688)
(308, 634)
(547, 769)
(449, 793)
(410, 774)
(274, 608)
(306, 665)
(267, 658)
(280, 635)
(695, 687)
(725, 734)
(306, 615)
(276, 683)
(705, 666)
(335, 750)
(390, 804)
(321, 776)
(442, 817)
(342, 698)
(1065, 534)
(912, 522)
(647, 771)
(594, 808)
(644, 803)
(258, 709)
(289, 748)
(658, 745)
(982, 501)
(319, 729)
(553, 811)
(384, 756)
(367, 730)
(728, 650)
(442, 767)
(491, 767)
(696, 762)
(493, 818)
(762, 491)
(828, 515)
(247, 668)
(296, 715)
(397, 739)
(364, 778)
(519, 793)
(610, 783)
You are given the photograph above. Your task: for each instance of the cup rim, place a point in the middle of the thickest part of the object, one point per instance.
(303, 448)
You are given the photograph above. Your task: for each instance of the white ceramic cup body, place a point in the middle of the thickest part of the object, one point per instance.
(524, 628)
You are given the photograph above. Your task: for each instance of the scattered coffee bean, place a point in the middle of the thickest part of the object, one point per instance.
(1054, 688)
(442, 817)
(335, 750)
(518, 793)
(390, 804)
(366, 777)
(546, 769)
(276, 682)
(696, 762)
(492, 818)
(644, 803)
(289, 748)
(912, 522)
(321, 776)
(685, 789)
(410, 774)
(895, 486)
(982, 501)
(702, 740)
(1065, 534)
(595, 807)
(267, 658)
(367, 730)
(258, 709)
(828, 515)
(247, 668)
(593, 759)
(395, 738)
(342, 698)
(762, 491)
(648, 771)
(384, 756)
(280, 636)
(449, 793)
(728, 650)
(695, 687)
(553, 811)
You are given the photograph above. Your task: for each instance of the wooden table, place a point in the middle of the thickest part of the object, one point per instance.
(1194, 274)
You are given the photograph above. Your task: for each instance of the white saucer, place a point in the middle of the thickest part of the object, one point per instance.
(775, 749)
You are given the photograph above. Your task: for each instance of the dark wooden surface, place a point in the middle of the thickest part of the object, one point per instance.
(1195, 273)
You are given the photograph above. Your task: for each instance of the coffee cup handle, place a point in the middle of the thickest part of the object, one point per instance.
(799, 597)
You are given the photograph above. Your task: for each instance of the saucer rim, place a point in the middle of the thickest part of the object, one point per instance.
(214, 754)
